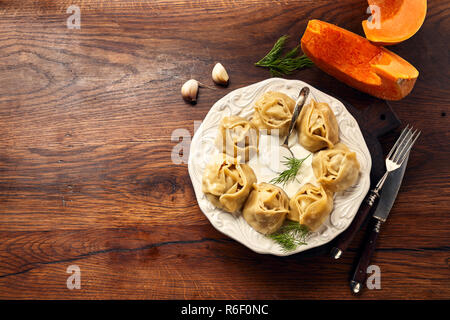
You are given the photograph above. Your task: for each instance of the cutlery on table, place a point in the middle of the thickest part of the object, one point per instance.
(396, 164)
(298, 107)
(394, 160)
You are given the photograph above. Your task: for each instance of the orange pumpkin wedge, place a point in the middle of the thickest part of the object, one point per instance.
(398, 20)
(355, 61)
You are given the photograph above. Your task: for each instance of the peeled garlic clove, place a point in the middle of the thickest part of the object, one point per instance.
(220, 75)
(189, 90)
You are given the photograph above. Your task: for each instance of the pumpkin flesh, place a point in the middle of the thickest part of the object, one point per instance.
(353, 60)
(399, 20)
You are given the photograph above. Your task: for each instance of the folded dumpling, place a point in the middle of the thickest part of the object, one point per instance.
(237, 137)
(311, 205)
(273, 111)
(336, 169)
(317, 127)
(227, 183)
(266, 208)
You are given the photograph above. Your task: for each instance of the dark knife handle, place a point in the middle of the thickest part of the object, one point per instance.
(347, 236)
(359, 277)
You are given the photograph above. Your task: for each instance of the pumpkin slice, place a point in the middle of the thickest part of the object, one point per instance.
(398, 20)
(355, 61)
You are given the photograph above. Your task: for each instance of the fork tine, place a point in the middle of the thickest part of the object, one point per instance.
(398, 141)
(403, 145)
(409, 148)
(401, 142)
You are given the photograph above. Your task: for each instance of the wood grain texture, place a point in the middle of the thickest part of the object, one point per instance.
(86, 177)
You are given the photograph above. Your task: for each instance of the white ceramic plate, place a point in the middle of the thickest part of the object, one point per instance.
(240, 102)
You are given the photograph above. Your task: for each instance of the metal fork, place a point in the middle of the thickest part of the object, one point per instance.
(394, 160)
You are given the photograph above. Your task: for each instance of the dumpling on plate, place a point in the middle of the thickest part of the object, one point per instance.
(237, 137)
(273, 111)
(317, 126)
(311, 205)
(227, 183)
(336, 169)
(266, 208)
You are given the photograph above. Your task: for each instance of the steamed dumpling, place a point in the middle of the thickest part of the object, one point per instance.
(227, 183)
(266, 208)
(273, 111)
(317, 127)
(310, 206)
(237, 137)
(336, 169)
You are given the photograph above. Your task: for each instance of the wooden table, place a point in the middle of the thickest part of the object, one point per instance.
(86, 176)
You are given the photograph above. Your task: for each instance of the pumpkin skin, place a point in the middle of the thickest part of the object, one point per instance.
(399, 20)
(355, 61)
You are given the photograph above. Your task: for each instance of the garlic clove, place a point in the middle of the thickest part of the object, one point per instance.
(189, 90)
(220, 75)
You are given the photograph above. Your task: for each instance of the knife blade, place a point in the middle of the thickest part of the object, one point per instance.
(387, 199)
(389, 192)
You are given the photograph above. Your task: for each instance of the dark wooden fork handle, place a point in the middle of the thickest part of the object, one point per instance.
(359, 277)
(347, 236)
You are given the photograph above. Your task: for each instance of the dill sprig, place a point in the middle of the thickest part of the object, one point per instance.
(274, 53)
(290, 235)
(293, 165)
(279, 65)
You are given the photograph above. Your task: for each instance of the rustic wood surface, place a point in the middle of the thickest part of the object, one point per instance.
(86, 177)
